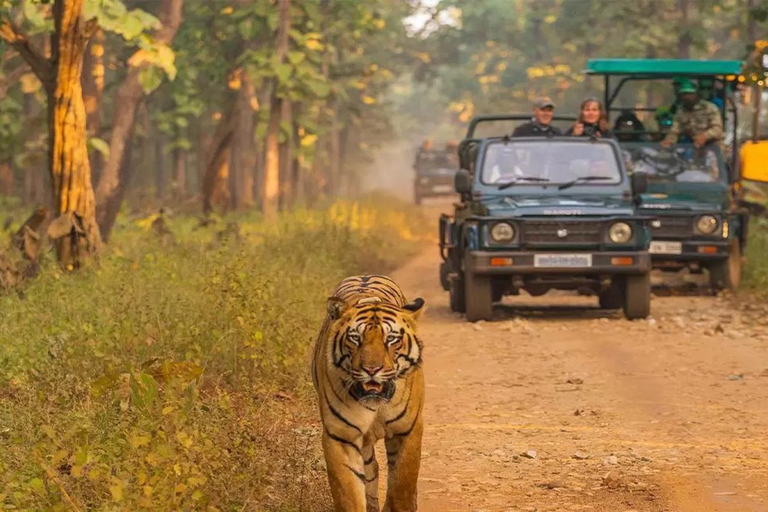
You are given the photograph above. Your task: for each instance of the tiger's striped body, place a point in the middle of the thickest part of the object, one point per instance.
(367, 373)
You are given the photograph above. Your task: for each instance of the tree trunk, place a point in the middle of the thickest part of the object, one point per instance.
(37, 189)
(242, 162)
(180, 172)
(297, 185)
(160, 173)
(217, 160)
(286, 158)
(93, 89)
(69, 165)
(129, 96)
(6, 179)
(271, 188)
(685, 40)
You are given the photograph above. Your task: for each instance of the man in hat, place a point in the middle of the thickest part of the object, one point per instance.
(541, 123)
(698, 119)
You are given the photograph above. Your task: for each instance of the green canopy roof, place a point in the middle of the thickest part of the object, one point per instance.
(662, 67)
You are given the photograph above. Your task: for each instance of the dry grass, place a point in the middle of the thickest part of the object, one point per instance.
(175, 375)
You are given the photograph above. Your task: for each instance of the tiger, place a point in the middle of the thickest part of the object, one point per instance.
(367, 372)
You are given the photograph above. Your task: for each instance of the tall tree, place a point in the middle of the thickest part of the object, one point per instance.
(75, 230)
(132, 91)
(271, 185)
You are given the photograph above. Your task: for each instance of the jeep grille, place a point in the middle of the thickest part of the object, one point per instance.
(550, 232)
(672, 227)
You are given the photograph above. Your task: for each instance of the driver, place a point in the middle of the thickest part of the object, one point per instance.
(698, 119)
(541, 123)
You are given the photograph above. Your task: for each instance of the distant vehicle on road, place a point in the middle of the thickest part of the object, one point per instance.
(435, 169)
(544, 213)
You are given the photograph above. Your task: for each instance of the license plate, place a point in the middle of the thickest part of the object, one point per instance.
(442, 188)
(562, 260)
(666, 248)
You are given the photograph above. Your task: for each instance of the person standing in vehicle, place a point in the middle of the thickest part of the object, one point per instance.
(697, 118)
(588, 123)
(541, 123)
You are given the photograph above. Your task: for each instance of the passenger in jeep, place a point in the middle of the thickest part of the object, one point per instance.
(589, 121)
(698, 119)
(541, 123)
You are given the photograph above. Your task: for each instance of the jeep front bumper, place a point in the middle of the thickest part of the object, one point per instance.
(666, 253)
(530, 263)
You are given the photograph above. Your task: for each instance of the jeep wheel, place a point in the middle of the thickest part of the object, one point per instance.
(637, 296)
(478, 297)
(726, 274)
(613, 297)
(444, 271)
(456, 294)
(498, 287)
(417, 199)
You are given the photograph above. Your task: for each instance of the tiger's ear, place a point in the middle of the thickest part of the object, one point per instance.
(415, 308)
(336, 307)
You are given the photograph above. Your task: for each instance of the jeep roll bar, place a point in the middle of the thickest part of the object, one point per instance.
(506, 117)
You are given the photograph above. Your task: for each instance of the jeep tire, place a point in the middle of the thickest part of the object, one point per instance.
(478, 297)
(444, 271)
(613, 296)
(726, 274)
(458, 301)
(637, 296)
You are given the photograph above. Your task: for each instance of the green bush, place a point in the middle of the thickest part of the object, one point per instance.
(175, 373)
(756, 269)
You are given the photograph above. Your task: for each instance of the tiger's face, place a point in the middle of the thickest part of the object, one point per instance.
(373, 345)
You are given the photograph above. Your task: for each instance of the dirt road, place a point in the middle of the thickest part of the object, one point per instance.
(555, 406)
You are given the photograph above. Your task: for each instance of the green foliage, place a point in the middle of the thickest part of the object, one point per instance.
(114, 17)
(176, 376)
(756, 269)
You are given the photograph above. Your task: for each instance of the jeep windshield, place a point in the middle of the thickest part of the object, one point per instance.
(545, 162)
(679, 164)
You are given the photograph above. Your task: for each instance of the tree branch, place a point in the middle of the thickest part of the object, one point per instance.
(11, 78)
(91, 26)
(170, 17)
(36, 60)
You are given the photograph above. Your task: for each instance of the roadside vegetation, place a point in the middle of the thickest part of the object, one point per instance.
(756, 268)
(175, 373)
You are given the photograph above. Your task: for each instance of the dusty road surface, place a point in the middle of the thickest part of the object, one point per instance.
(558, 406)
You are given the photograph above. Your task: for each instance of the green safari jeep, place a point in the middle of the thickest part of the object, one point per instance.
(544, 213)
(694, 193)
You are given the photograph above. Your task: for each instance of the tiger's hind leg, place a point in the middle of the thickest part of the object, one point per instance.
(403, 461)
(371, 478)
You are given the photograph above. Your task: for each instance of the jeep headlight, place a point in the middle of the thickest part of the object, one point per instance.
(706, 224)
(423, 180)
(620, 232)
(502, 232)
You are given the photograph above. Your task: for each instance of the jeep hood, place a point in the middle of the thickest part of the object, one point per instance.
(560, 205)
(670, 197)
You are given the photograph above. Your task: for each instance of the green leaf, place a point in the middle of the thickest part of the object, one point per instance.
(144, 390)
(283, 73)
(150, 79)
(100, 145)
(296, 58)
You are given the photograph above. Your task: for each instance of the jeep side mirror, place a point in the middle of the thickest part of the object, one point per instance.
(462, 182)
(639, 183)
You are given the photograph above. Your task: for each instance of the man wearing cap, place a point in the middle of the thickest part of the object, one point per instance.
(541, 123)
(698, 119)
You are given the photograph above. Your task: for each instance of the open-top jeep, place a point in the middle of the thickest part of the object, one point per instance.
(694, 193)
(544, 213)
